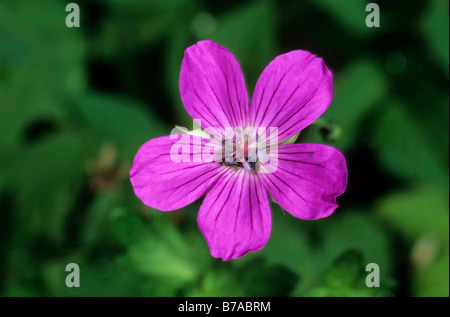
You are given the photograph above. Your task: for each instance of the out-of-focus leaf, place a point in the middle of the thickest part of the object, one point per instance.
(351, 16)
(103, 277)
(40, 64)
(153, 256)
(21, 291)
(253, 45)
(259, 279)
(434, 27)
(354, 231)
(164, 253)
(119, 120)
(434, 280)
(217, 282)
(96, 222)
(175, 52)
(345, 270)
(357, 92)
(417, 212)
(346, 277)
(290, 245)
(41, 44)
(423, 212)
(46, 178)
(126, 225)
(151, 21)
(431, 120)
(403, 148)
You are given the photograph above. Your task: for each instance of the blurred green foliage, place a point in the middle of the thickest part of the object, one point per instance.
(76, 104)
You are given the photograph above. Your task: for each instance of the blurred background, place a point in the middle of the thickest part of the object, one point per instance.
(76, 104)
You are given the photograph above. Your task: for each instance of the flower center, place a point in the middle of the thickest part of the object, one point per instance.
(240, 151)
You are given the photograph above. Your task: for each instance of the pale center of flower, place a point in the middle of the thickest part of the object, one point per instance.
(240, 150)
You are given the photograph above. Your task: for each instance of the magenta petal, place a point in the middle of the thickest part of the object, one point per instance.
(235, 216)
(212, 86)
(307, 180)
(166, 185)
(291, 93)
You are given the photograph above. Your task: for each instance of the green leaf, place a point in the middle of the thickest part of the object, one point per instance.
(40, 65)
(403, 148)
(288, 244)
(46, 178)
(218, 282)
(352, 230)
(259, 36)
(351, 16)
(96, 223)
(434, 280)
(179, 41)
(434, 28)
(120, 120)
(164, 252)
(346, 277)
(291, 245)
(104, 277)
(153, 256)
(253, 45)
(345, 270)
(259, 279)
(127, 227)
(357, 92)
(153, 21)
(420, 211)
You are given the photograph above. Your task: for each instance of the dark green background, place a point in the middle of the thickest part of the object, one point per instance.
(76, 104)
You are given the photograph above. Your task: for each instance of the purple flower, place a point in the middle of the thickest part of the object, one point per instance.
(304, 179)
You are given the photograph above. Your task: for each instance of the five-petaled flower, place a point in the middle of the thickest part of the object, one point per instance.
(235, 217)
